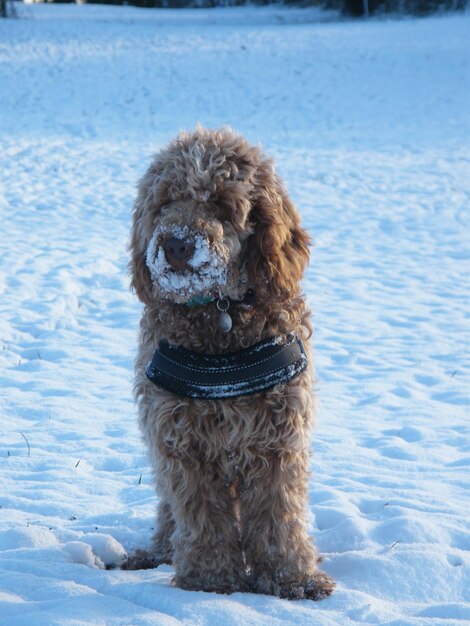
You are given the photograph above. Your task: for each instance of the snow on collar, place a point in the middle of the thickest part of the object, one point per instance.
(216, 376)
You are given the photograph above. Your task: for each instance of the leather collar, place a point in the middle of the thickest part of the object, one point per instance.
(248, 299)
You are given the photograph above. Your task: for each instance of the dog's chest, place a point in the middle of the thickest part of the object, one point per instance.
(234, 431)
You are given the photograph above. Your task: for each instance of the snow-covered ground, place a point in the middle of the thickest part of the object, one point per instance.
(370, 125)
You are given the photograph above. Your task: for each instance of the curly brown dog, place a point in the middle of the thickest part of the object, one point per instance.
(223, 373)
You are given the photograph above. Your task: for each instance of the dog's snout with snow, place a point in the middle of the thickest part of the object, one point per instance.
(192, 254)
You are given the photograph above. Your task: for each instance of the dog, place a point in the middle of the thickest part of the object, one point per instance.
(223, 372)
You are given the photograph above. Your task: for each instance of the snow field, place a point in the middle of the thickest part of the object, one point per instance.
(369, 123)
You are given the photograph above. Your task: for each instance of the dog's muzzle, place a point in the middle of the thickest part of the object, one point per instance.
(186, 263)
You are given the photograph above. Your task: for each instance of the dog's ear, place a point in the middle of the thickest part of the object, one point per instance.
(143, 216)
(278, 250)
(141, 282)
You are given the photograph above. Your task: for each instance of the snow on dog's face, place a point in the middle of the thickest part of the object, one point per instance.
(192, 256)
(212, 219)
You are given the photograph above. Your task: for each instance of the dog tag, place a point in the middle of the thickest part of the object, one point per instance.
(225, 321)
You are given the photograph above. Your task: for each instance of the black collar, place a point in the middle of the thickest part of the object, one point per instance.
(191, 374)
(247, 300)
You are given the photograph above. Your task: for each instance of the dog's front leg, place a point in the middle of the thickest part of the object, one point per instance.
(279, 552)
(162, 547)
(207, 553)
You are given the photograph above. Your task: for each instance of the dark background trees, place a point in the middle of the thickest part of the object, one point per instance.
(354, 8)
(7, 8)
(415, 7)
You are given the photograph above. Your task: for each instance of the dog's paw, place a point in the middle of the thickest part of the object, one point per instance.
(141, 559)
(318, 587)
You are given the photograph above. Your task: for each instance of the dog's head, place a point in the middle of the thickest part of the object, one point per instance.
(212, 220)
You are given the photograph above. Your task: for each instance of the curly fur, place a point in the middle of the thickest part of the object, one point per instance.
(231, 474)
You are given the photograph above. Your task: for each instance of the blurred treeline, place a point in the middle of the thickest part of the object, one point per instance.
(355, 8)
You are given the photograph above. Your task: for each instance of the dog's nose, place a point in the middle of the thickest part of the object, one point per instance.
(178, 252)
